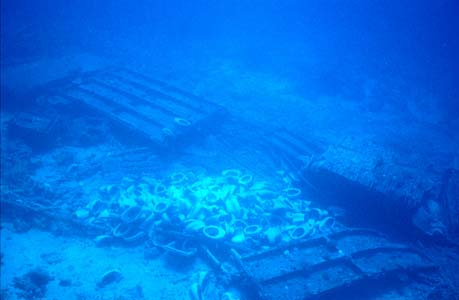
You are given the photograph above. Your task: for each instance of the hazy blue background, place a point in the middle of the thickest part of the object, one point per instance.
(398, 49)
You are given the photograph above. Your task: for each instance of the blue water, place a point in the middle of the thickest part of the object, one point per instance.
(144, 143)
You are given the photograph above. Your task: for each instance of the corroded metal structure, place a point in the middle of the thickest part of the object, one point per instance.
(324, 266)
(162, 113)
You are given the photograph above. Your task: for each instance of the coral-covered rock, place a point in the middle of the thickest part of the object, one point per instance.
(33, 284)
(112, 276)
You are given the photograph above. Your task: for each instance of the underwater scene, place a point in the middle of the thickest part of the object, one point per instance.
(229, 150)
